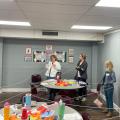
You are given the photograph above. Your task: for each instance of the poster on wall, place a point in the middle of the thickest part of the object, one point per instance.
(28, 51)
(48, 52)
(70, 52)
(61, 55)
(28, 58)
(70, 59)
(39, 56)
(49, 47)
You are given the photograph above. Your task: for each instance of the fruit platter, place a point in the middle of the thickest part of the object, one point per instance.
(68, 84)
(64, 83)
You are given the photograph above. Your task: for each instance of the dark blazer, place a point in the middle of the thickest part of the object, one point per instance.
(82, 69)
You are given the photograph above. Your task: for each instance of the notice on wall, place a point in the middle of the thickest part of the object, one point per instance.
(48, 47)
(70, 52)
(28, 51)
(48, 52)
(70, 59)
(28, 58)
(61, 56)
(39, 56)
(70, 55)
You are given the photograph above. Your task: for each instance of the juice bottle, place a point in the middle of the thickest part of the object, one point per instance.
(6, 111)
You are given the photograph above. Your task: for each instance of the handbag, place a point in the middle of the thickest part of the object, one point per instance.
(98, 102)
(99, 87)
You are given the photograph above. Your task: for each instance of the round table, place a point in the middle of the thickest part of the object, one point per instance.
(51, 84)
(70, 113)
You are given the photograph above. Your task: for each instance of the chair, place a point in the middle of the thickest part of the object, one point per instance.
(85, 116)
(35, 83)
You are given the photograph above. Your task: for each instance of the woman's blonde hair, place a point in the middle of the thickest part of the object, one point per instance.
(109, 65)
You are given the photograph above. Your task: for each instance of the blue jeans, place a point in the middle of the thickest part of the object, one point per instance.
(108, 89)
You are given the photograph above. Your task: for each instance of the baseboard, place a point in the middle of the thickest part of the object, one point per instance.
(15, 89)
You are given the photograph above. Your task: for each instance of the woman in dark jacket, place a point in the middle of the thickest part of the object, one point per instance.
(81, 75)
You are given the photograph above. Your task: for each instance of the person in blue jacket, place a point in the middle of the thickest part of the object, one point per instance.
(107, 82)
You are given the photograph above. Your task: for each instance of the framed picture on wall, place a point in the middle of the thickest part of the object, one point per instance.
(28, 58)
(28, 51)
(70, 59)
(39, 56)
(70, 52)
(61, 55)
(49, 47)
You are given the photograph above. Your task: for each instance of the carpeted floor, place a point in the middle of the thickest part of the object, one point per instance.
(82, 107)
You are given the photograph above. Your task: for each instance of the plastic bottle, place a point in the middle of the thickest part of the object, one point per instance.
(6, 111)
(58, 78)
(24, 114)
(61, 110)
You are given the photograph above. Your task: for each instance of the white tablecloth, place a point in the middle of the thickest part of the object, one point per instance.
(51, 84)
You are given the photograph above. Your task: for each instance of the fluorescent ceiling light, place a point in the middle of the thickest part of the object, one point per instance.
(108, 3)
(15, 23)
(6, 0)
(91, 27)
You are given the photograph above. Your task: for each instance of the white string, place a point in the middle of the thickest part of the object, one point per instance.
(11, 97)
(111, 118)
(76, 106)
(53, 101)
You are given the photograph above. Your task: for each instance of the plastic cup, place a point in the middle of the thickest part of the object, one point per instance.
(49, 118)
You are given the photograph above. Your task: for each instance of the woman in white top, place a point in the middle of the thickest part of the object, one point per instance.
(53, 67)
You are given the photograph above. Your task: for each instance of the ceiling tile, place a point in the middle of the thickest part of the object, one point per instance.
(6, 5)
(62, 18)
(65, 2)
(112, 12)
(51, 8)
(51, 26)
(99, 20)
(54, 22)
(14, 27)
(11, 15)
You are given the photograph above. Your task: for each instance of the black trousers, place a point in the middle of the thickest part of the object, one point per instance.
(82, 91)
(52, 93)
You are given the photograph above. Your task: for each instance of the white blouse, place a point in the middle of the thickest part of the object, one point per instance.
(52, 69)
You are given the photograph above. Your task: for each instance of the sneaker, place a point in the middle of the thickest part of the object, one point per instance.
(83, 99)
(77, 98)
(109, 114)
(105, 110)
